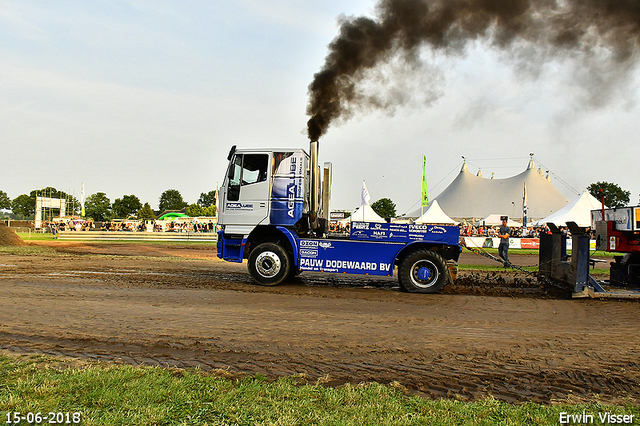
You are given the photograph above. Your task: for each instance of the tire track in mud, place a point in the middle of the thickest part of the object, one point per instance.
(459, 376)
(164, 312)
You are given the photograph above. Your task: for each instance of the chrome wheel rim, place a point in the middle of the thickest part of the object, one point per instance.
(424, 273)
(268, 264)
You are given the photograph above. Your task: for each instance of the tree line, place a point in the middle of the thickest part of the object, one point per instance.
(100, 208)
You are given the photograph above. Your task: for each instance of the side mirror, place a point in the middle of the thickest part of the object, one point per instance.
(231, 152)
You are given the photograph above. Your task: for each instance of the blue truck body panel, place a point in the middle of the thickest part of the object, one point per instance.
(287, 190)
(347, 256)
(230, 249)
(371, 249)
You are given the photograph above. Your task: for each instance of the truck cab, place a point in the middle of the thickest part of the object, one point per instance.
(263, 188)
(273, 214)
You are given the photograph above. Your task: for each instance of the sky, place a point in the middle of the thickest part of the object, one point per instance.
(137, 97)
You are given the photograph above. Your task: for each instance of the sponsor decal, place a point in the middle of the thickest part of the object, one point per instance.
(311, 263)
(359, 225)
(332, 265)
(291, 195)
(351, 264)
(308, 244)
(308, 253)
(530, 243)
(239, 206)
(438, 230)
(325, 245)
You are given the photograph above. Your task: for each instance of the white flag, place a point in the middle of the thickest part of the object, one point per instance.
(82, 212)
(365, 195)
(525, 207)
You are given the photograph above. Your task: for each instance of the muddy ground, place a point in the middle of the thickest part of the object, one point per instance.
(490, 334)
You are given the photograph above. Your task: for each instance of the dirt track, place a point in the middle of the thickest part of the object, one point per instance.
(181, 306)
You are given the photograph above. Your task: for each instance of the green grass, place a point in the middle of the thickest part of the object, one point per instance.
(488, 268)
(534, 269)
(31, 251)
(494, 251)
(35, 236)
(535, 252)
(124, 395)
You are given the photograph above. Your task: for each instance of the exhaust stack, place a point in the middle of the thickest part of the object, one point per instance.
(327, 171)
(314, 190)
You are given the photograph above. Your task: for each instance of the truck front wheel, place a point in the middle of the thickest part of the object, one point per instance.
(422, 271)
(269, 264)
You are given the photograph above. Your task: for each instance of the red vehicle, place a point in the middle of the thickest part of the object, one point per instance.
(619, 232)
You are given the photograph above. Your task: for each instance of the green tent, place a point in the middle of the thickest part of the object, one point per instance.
(172, 216)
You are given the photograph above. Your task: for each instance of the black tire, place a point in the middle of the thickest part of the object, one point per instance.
(423, 271)
(269, 264)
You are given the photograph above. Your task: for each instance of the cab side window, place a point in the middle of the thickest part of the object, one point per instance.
(235, 174)
(246, 169)
(254, 168)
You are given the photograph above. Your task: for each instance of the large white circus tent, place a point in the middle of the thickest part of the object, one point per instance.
(471, 196)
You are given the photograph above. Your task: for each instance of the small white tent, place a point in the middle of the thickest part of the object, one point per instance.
(494, 220)
(578, 211)
(434, 214)
(365, 213)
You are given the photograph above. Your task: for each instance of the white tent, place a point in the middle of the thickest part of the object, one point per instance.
(578, 211)
(365, 213)
(494, 220)
(434, 214)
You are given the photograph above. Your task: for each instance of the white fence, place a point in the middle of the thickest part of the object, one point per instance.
(137, 236)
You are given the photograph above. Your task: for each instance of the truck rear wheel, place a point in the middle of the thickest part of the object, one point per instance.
(422, 271)
(269, 264)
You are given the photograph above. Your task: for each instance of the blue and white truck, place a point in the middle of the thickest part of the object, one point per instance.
(274, 212)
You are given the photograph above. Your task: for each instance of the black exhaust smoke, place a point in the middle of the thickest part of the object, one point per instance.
(538, 30)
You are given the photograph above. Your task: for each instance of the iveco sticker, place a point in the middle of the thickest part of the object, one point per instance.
(239, 206)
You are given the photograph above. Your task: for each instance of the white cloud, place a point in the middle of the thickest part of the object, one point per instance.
(141, 96)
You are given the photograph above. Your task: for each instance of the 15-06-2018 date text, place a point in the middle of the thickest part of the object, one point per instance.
(44, 418)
